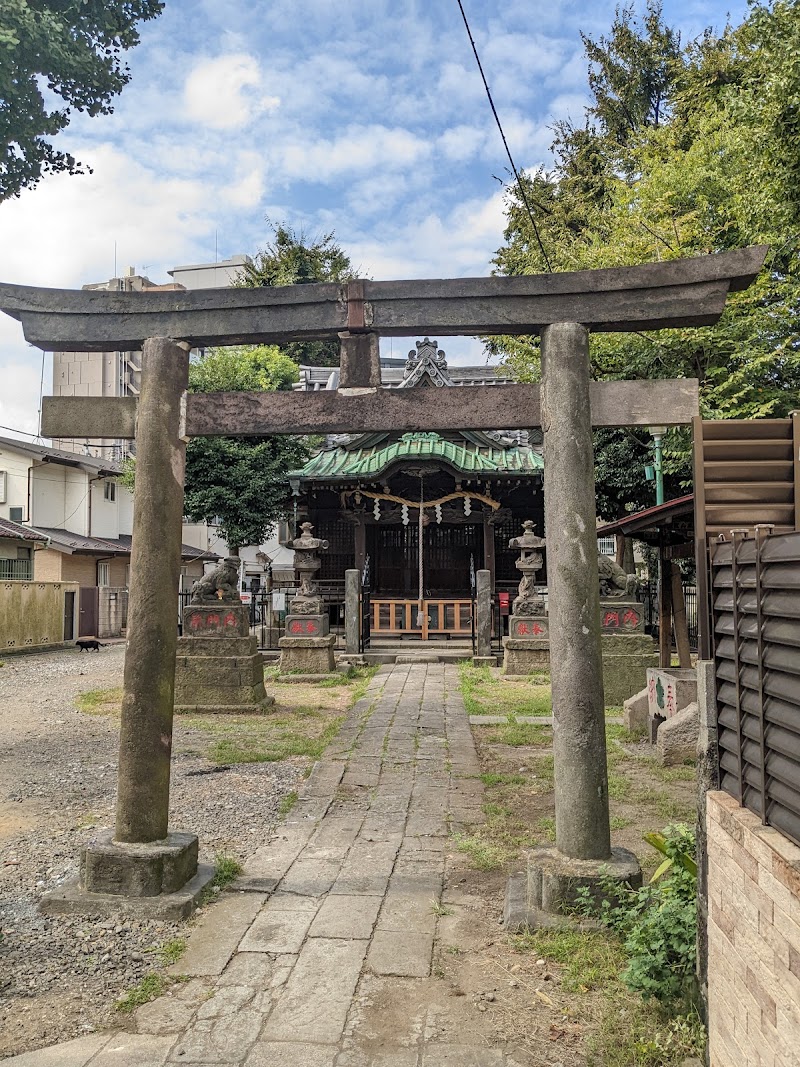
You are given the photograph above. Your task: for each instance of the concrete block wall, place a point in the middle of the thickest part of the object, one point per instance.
(32, 614)
(112, 617)
(753, 940)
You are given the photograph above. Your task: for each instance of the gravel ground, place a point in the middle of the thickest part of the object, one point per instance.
(60, 976)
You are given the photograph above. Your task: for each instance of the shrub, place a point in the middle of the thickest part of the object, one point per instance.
(657, 923)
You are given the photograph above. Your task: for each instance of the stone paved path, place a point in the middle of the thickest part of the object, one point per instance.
(325, 959)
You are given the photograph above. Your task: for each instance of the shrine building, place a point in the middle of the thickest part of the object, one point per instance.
(363, 493)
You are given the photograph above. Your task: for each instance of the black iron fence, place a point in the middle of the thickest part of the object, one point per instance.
(755, 592)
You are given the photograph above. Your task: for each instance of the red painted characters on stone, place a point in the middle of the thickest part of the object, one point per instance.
(611, 619)
(630, 618)
(212, 620)
(230, 619)
(195, 621)
(296, 627)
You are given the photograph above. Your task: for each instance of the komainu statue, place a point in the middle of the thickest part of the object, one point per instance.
(614, 582)
(220, 584)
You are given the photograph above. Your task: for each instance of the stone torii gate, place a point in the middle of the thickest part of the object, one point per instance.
(141, 858)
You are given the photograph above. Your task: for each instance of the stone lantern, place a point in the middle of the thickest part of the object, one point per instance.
(307, 645)
(527, 646)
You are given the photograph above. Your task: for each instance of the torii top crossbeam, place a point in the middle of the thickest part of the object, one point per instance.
(685, 292)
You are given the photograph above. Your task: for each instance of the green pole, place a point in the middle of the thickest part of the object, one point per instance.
(658, 432)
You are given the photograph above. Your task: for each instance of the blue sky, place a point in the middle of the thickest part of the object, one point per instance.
(368, 119)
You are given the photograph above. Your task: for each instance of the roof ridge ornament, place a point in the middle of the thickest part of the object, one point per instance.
(428, 359)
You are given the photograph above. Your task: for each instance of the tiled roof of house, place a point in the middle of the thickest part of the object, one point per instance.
(18, 532)
(59, 455)
(117, 546)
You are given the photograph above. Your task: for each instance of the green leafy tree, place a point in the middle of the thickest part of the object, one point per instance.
(292, 258)
(702, 157)
(241, 480)
(74, 48)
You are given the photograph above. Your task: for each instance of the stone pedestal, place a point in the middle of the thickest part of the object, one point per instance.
(527, 647)
(307, 655)
(218, 667)
(160, 879)
(546, 893)
(626, 658)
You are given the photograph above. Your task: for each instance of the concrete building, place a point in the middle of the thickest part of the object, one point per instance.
(217, 275)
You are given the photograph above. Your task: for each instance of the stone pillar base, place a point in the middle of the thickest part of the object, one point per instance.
(625, 662)
(218, 668)
(484, 661)
(523, 655)
(546, 893)
(159, 879)
(307, 655)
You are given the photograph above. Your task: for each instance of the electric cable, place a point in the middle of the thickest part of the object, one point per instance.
(520, 186)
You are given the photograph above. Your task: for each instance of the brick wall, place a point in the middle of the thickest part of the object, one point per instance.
(753, 940)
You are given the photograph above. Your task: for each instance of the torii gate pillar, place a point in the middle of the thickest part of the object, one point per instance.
(141, 860)
(582, 855)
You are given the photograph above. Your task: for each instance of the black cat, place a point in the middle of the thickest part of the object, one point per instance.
(89, 644)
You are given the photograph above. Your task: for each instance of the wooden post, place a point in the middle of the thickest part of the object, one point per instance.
(360, 545)
(679, 616)
(488, 548)
(664, 609)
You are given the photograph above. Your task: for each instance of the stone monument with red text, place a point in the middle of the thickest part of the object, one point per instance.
(219, 668)
(627, 650)
(307, 644)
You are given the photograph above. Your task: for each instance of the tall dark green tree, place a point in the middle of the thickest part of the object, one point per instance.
(292, 258)
(241, 481)
(75, 48)
(685, 152)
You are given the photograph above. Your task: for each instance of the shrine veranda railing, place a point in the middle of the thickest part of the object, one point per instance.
(755, 593)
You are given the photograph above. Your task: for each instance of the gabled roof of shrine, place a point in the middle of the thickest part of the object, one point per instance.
(345, 456)
(466, 458)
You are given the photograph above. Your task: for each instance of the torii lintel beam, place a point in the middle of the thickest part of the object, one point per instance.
(665, 402)
(682, 292)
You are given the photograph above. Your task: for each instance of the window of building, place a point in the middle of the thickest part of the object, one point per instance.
(607, 546)
(103, 574)
(16, 514)
(23, 552)
(110, 490)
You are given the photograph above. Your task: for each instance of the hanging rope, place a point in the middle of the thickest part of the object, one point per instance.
(419, 538)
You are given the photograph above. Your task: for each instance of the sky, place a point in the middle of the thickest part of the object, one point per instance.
(364, 119)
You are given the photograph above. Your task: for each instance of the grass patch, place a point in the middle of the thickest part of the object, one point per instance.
(619, 822)
(627, 1031)
(287, 803)
(228, 870)
(483, 854)
(618, 786)
(520, 734)
(171, 951)
(486, 693)
(546, 826)
(264, 739)
(100, 701)
(150, 987)
(493, 778)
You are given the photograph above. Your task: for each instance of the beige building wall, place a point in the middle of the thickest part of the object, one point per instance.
(15, 468)
(47, 565)
(80, 569)
(32, 614)
(753, 940)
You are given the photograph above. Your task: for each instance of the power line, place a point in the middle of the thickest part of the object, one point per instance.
(520, 186)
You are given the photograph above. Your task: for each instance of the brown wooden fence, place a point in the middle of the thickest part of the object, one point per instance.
(755, 586)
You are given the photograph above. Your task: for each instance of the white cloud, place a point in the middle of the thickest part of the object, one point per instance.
(356, 149)
(19, 396)
(226, 92)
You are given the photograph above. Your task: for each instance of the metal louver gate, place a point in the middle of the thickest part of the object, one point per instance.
(755, 583)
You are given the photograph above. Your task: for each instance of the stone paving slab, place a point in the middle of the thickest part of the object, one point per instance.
(218, 932)
(351, 889)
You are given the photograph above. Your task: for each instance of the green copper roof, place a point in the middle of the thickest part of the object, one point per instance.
(467, 458)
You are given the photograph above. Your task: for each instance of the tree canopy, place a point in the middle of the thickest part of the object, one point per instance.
(292, 258)
(686, 150)
(241, 481)
(74, 48)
